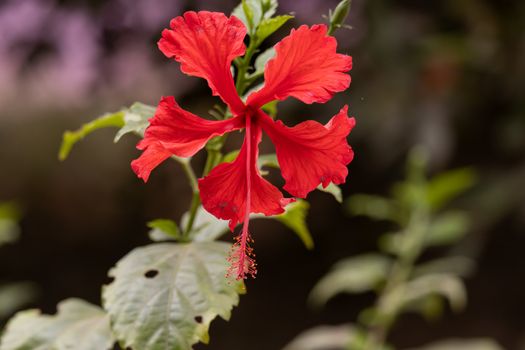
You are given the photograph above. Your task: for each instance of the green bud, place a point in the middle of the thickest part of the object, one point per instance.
(338, 17)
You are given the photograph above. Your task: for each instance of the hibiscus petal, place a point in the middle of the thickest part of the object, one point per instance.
(311, 153)
(205, 43)
(173, 130)
(224, 191)
(153, 155)
(306, 67)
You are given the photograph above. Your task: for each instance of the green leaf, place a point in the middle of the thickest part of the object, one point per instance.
(462, 344)
(262, 59)
(374, 207)
(346, 336)
(334, 190)
(77, 325)
(269, 25)
(447, 228)
(448, 286)
(9, 215)
(268, 160)
(353, 275)
(70, 138)
(442, 188)
(295, 219)
(206, 226)
(252, 12)
(165, 295)
(163, 230)
(456, 265)
(271, 108)
(136, 120)
(15, 295)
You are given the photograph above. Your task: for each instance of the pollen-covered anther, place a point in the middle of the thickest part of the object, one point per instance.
(242, 259)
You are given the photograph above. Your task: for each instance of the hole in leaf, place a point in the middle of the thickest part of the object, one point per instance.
(198, 319)
(151, 273)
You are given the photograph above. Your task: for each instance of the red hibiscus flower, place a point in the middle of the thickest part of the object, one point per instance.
(306, 66)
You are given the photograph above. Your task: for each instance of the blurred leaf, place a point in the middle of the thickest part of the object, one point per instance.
(456, 265)
(449, 286)
(374, 207)
(447, 228)
(206, 227)
(163, 230)
(353, 275)
(268, 160)
(77, 325)
(342, 337)
(136, 120)
(462, 344)
(262, 59)
(9, 231)
(269, 25)
(295, 219)
(9, 211)
(9, 215)
(446, 186)
(271, 108)
(165, 295)
(70, 138)
(15, 295)
(334, 190)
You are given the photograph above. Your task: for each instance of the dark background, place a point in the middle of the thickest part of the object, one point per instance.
(446, 74)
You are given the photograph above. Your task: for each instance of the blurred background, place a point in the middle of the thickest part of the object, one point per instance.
(447, 74)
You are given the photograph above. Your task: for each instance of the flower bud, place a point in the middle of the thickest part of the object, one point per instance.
(338, 17)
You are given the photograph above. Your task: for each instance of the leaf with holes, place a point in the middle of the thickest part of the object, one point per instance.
(77, 325)
(165, 295)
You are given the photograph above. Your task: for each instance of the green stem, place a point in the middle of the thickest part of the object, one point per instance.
(190, 174)
(242, 83)
(388, 310)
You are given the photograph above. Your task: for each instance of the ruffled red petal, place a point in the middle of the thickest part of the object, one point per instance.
(306, 66)
(173, 130)
(153, 155)
(224, 190)
(310, 153)
(205, 43)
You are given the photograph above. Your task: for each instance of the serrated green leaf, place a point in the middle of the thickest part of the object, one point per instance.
(77, 325)
(136, 120)
(334, 190)
(163, 230)
(462, 344)
(269, 25)
(165, 295)
(446, 186)
(70, 138)
(295, 219)
(353, 275)
(447, 228)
